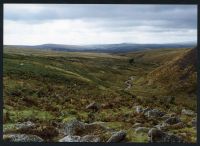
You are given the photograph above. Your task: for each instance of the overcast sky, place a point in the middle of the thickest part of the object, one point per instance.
(33, 24)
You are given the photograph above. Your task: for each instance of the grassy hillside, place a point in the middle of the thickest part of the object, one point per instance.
(179, 74)
(55, 87)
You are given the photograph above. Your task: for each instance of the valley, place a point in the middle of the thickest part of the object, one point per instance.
(100, 97)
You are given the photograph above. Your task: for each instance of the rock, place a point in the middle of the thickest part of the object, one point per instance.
(90, 138)
(93, 106)
(22, 138)
(141, 130)
(156, 135)
(73, 127)
(70, 138)
(15, 128)
(117, 137)
(138, 109)
(163, 126)
(25, 125)
(172, 120)
(187, 112)
(78, 128)
(172, 139)
(137, 125)
(86, 138)
(154, 113)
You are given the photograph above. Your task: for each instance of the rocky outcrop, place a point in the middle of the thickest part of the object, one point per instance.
(154, 113)
(156, 135)
(22, 138)
(20, 126)
(77, 131)
(117, 137)
(86, 138)
(77, 128)
(70, 138)
(74, 127)
(25, 125)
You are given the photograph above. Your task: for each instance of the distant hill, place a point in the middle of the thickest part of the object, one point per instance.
(103, 48)
(179, 74)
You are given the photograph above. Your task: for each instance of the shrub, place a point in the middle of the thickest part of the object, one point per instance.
(131, 61)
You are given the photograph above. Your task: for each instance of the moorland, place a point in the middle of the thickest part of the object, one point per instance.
(140, 96)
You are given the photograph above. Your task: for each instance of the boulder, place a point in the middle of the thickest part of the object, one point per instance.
(172, 139)
(93, 106)
(78, 128)
(154, 113)
(90, 138)
(117, 137)
(141, 130)
(22, 138)
(73, 127)
(25, 125)
(156, 135)
(172, 120)
(165, 126)
(15, 128)
(86, 138)
(70, 138)
(187, 112)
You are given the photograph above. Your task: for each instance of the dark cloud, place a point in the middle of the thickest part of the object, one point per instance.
(174, 16)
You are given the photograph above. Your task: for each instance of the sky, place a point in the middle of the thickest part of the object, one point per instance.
(77, 24)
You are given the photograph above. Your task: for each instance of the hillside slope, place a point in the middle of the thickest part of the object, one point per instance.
(179, 74)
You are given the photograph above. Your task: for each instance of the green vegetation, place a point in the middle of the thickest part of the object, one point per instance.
(54, 87)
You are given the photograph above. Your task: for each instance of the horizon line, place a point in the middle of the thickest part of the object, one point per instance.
(190, 42)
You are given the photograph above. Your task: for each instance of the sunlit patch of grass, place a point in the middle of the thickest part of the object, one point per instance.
(133, 137)
(26, 114)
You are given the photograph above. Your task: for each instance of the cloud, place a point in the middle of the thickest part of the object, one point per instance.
(183, 14)
(85, 24)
